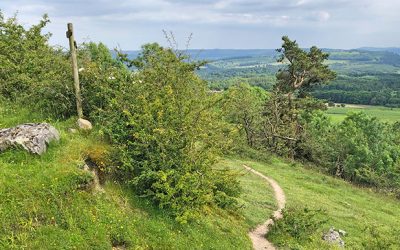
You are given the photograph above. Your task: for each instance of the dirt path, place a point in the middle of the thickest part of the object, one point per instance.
(257, 236)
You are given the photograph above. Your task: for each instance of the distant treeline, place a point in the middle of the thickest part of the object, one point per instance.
(370, 89)
(364, 77)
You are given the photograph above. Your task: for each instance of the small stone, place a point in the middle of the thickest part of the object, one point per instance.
(342, 232)
(84, 124)
(72, 130)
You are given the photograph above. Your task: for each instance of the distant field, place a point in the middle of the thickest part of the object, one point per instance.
(383, 113)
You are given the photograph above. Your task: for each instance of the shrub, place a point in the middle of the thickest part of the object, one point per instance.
(32, 72)
(167, 134)
(101, 79)
(360, 149)
(243, 105)
(36, 74)
(296, 227)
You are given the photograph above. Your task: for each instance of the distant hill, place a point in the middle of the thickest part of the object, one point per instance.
(222, 54)
(388, 49)
(217, 54)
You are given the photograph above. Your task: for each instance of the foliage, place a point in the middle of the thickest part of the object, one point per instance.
(243, 105)
(284, 123)
(32, 72)
(360, 149)
(283, 129)
(297, 227)
(304, 69)
(101, 79)
(167, 134)
(36, 74)
(317, 139)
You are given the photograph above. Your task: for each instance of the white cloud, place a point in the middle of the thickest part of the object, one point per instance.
(323, 16)
(231, 22)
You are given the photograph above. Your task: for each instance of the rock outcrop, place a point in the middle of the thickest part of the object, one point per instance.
(334, 237)
(33, 137)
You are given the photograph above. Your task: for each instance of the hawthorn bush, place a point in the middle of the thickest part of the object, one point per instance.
(167, 134)
(32, 72)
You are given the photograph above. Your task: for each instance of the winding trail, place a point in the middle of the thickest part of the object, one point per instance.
(257, 236)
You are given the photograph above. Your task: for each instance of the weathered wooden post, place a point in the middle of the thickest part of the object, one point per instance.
(73, 47)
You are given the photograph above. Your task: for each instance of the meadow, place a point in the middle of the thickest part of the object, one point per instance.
(385, 114)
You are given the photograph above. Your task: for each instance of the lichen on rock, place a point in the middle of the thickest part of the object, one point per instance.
(33, 137)
(334, 237)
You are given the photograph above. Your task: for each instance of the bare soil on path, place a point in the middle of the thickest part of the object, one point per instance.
(257, 236)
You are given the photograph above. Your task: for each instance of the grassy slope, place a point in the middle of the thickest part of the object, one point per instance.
(348, 207)
(383, 113)
(258, 201)
(44, 204)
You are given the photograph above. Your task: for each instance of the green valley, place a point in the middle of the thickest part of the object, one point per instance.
(164, 148)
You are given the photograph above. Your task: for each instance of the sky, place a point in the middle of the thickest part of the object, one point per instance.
(224, 24)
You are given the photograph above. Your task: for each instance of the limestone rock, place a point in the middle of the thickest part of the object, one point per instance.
(72, 130)
(33, 137)
(84, 124)
(333, 237)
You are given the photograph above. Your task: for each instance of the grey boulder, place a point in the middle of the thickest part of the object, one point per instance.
(33, 137)
(333, 237)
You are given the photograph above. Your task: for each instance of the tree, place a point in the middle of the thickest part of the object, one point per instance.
(302, 71)
(243, 105)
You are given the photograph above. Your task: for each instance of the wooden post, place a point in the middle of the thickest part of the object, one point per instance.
(73, 47)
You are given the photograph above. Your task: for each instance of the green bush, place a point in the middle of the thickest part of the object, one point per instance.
(242, 105)
(101, 79)
(36, 74)
(33, 72)
(226, 188)
(361, 149)
(296, 227)
(167, 134)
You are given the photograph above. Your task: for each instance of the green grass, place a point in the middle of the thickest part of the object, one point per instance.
(257, 199)
(385, 114)
(46, 203)
(348, 207)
